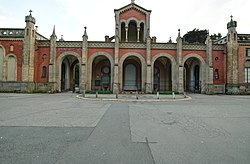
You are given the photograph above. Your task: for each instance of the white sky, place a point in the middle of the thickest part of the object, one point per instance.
(70, 16)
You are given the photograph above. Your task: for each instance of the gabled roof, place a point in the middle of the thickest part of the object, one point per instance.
(133, 6)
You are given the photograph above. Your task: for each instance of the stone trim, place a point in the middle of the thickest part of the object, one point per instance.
(133, 6)
(244, 44)
(173, 68)
(12, 39)
(143, 69)
(59, 65)
(90, 63)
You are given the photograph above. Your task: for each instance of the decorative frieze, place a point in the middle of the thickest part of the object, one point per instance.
(69, 44)
(164, 46)
(218, 47)
(101, 45)
(194, 47)
(133, 45)
(43, 43)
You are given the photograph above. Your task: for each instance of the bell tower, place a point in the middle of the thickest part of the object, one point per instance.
(28, 49)
(232, 57)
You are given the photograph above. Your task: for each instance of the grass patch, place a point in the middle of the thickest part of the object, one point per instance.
(99, 92)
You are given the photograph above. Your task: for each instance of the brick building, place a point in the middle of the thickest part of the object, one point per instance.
(131, 60)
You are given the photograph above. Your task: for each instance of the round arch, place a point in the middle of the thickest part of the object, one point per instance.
(2, 64)
(90, 64)
(59, 66)
(143, 68)
(202, 72)
(193, 56)
(173, 66)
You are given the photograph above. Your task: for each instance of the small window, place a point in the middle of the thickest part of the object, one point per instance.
(44, 57)
(11, 48)
(44, 72)
(216, 74)
(248, 52)
(216, 58)
(247, 75)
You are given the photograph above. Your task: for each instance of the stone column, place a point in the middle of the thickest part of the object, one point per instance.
(126, 28)
(138, 34)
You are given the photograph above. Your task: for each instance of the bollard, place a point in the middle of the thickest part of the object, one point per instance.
(83, 94)
(96, 94)
(158, 95)
(173, 94)
(116, 95)
(185, 95)
(136, 95)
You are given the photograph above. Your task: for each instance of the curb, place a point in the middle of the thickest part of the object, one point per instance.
(133, 100)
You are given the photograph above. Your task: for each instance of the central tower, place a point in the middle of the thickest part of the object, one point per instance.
(133, 23)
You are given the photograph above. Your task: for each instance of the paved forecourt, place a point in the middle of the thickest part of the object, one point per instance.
(60, 128)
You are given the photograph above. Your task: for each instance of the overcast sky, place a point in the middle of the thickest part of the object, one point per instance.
(70, 16)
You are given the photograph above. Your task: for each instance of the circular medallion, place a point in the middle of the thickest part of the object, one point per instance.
(105, 70)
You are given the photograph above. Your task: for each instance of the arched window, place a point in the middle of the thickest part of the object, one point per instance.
(247, 71)
(123, 32)
(1, 63)
(216, 74)
(27, 31)
(141, 32)
(11, 68)
(132, 31)
(44, 71)
(11, 48)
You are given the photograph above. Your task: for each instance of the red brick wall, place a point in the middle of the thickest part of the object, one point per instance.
(59, 51)
(92, 51)
(142, 52)
(170, 52)
(200, 53)
(132, 13)
(220, 64)
(42, 57)
(18, 48)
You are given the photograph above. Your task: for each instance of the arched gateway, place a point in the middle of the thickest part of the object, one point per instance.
(68, 71)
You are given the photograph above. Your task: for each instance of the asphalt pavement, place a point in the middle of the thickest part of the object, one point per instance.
(64, 128)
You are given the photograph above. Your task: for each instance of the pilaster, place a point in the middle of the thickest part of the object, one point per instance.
(116, 86)
(209, 66)
(179, 65)
(149, 84)
(83, 72)
(52, 63)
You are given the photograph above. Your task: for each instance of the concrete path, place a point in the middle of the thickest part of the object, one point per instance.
(110, 142)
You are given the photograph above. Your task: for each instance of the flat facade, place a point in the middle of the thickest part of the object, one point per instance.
(131, 60)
